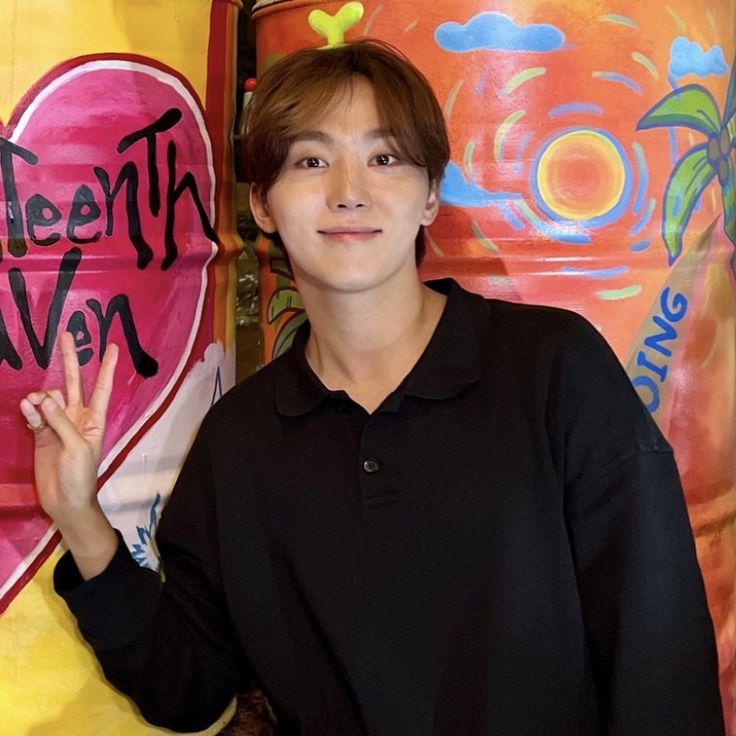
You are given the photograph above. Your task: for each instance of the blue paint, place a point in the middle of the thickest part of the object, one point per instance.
(145, 553)
(676, 204)
(643, 220)
(620, 79)
(455, 190)
(652, 375)
(596, 273)
(563, 231)
(659, 370)
(688, 57)
(698, 201)
(518, 165)
(640, 246)
(510, 216)
(643, 178)
(524, 144)
(574, 108)
(668, 332)
(498, 32)
(645, 382)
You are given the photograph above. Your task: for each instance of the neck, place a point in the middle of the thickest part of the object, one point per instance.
(366, 343)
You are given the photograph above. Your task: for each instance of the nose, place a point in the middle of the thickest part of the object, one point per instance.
(347, 185)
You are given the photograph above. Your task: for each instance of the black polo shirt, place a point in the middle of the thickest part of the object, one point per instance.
(502, 547)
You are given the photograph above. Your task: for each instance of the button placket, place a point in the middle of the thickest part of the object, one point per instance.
(374, 459)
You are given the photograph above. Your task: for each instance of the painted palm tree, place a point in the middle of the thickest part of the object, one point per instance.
(285, 310)
(694, 107)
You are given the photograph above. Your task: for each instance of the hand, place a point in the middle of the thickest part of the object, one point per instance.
(68, 445)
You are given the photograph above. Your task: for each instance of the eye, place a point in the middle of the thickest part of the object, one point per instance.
(311, 162)
(385, 159)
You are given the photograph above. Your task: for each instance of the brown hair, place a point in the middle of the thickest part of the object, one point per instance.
(298, 88)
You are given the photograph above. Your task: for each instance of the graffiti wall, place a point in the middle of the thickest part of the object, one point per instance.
(115, 224)
(593, 168)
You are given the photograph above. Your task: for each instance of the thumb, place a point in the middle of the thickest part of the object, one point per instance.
(35, 421)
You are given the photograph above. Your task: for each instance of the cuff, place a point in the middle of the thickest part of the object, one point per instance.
(111, 607)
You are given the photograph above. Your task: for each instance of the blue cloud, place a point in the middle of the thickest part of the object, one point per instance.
(456, 190)
(496, 31)
(688, 57)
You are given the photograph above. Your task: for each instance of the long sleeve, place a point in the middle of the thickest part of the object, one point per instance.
(651, 637)
(650, 633)
(169, 645)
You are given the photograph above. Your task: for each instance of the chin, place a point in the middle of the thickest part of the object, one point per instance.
(355, 277)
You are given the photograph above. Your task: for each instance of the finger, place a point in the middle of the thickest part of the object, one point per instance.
(57, 396)
(57, 419)
(100, 399)
(32, 416)
(36, 397)
(72, 375)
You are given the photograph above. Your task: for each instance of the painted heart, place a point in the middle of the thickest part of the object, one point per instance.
(107, 176)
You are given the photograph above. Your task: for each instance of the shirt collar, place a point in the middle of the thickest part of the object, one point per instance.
(452, 359)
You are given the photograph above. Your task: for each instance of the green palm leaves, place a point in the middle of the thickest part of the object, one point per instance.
(694, 107)
(285, 310)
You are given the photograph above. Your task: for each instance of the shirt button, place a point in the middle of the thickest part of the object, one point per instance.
(370, 465)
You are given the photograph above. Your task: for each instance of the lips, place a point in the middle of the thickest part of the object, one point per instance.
(344, 234)
(350, 231)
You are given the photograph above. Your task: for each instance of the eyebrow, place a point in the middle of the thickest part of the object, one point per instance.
(322, 137)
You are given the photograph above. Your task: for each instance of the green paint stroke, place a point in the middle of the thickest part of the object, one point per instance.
(615, 294)
(411, 26)
(620, 19)
(468, 160)
(451, 98)
(525, 209)
(486, 242)
(503, 131)
(680, 23)
(518, 79)
(646, 62)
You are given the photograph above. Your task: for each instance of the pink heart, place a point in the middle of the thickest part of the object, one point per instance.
(133, 273)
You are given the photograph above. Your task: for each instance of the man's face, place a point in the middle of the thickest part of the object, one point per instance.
(345, 204)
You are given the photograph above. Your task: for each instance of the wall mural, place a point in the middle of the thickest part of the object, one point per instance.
(593, 168)
(115, 167)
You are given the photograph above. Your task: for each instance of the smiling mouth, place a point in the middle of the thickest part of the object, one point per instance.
(350, 231)
(349, 235)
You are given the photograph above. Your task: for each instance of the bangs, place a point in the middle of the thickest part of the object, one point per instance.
(293, 95)
(394, 114)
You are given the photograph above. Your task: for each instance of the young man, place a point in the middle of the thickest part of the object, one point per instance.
(436, 514)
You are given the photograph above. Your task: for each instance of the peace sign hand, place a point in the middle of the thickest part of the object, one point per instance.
(68, 445)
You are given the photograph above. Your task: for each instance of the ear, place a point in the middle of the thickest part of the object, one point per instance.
(432, 207)
(260, 210)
